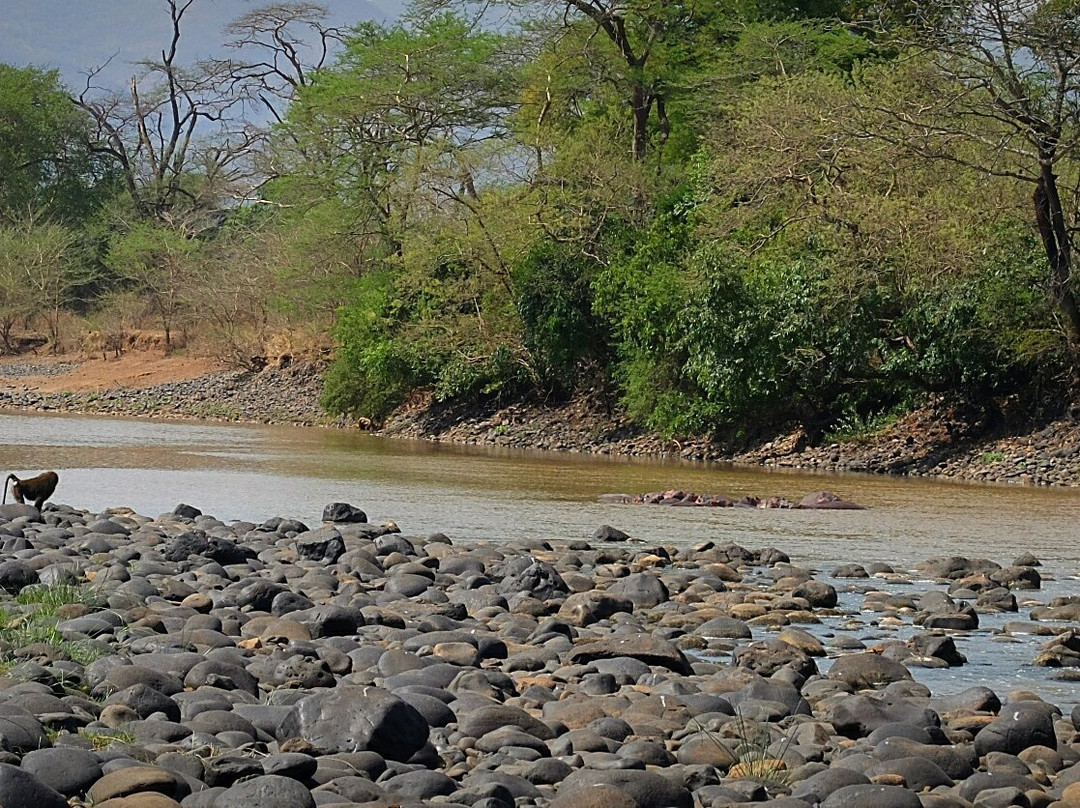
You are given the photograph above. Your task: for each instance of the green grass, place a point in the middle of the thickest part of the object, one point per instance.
(989, 458)
(105, 738)
(854, 428)
(35, 622)
(50, 598)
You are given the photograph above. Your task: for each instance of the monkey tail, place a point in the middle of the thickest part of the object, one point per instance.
(10, 477)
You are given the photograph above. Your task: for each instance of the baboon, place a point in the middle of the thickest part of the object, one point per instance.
(38, 488)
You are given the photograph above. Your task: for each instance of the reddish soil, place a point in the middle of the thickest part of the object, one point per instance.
(131, 370)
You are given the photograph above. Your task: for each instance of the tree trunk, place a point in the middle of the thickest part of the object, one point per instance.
(640, 104)
(1057, 241)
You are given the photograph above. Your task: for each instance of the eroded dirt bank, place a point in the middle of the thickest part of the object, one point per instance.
(943, 439)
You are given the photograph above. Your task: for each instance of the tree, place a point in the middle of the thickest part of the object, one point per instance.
(36, 275)
(397, 152)
(280, 46)
(45, 161)
(160, 263)
(178, 134)
(1004, 76)
(388, 135)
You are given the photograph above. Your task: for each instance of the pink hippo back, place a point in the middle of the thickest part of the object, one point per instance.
(827, 500)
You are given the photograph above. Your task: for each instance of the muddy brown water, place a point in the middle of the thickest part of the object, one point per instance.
(252, 473)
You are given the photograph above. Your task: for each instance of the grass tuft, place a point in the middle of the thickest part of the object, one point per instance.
(750, 748)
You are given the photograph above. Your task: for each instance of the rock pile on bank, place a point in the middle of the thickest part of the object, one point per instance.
(288, 395)
(281, 665)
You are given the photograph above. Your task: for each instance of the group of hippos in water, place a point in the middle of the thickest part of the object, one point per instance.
(817, 501)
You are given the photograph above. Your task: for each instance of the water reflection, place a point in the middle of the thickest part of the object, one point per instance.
(250, 472)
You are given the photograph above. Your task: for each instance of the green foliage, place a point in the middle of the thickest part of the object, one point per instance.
(39, 615)
(159, 262)
(776, 339)
(372, 374)
(46, 164)
(681, 197)
(48, 598)
(853, 427)
(554, 300)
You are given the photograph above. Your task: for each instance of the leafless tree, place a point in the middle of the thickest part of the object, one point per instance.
(185, 137)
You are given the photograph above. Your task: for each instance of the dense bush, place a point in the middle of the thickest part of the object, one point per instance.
(554, 300)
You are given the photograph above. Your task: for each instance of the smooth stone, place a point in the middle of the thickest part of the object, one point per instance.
(132, 779)
(350, 718)
(68, 770)
(647, 789)
(20, 788)
(266, 791)
(421, 784)
(479, 722)
(872, 796)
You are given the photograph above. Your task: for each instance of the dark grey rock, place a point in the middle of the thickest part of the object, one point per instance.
(725, 628)
(871, 796)
(983, 781)
(817, 787)
(222, 675)
(644, 589)
(647, 789)
(21, 789)
(919, 774)
(539, 580)
(343, 512)
(294, 765)
(858, 715)
(420, 785)
(866, 671)
(350, 718)
(480, 721)
(609, 533)
(1018, 727)
(230, 768)
(650, 649)
(20, 730)
(266, 791)
(15, 576)
(324, 544)
(68, 770)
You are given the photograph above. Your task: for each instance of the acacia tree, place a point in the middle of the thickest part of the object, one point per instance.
(279, 48)
(36, 275)
(1005, 79)
(160, 263)
(386, 129)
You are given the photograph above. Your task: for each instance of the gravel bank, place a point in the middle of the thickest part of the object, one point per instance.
(156, 662)
(273, 396)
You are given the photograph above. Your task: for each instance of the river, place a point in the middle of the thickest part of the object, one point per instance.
(471, 494)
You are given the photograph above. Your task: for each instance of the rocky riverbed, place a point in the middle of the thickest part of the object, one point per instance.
(151, 662)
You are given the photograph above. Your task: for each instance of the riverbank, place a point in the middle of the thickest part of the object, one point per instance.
(180, 662)
(947, 439)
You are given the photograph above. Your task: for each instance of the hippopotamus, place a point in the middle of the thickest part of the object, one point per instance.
(827, 500)
(819, 500)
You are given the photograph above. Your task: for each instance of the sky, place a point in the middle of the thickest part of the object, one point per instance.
(74, 36)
